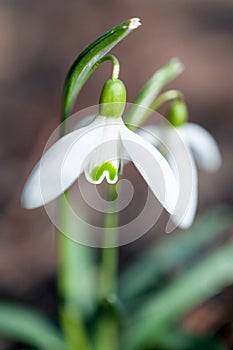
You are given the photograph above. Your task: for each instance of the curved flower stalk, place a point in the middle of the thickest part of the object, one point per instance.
(97, 150)
(200, 147)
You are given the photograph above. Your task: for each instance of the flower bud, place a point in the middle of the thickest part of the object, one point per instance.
(178, 113)
(112, 99)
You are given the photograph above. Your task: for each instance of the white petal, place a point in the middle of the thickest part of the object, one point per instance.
(85, 121)
(152, 133)
(107, 154)
(182, 163)
(185, 219)
(204, 147)
(153, 167)
(60, 166)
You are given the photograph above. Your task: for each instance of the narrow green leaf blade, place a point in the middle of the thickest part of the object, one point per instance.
(162, 311)
(27, 326)
(150, 91)
(85, 63)
(180, 340)
(172, 251)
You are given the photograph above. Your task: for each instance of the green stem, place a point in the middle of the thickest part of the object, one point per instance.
(107, 327)
(71, 317)
(108, 278)
(71, 255)
(116, 65)
(165, 97)
(70, 312)
(159, 101)
(83, 66)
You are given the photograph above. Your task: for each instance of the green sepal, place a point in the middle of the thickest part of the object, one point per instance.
(112, 99)
(87, 61)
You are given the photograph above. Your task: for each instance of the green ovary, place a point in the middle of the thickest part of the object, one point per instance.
(98, 171)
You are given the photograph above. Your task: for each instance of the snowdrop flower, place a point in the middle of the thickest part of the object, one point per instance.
(97, 150)
(200, 148)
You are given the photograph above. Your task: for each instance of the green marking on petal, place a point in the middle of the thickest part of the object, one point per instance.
(98, 171)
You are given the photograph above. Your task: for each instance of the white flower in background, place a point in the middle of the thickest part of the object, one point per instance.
(97, 150)
(201, 149)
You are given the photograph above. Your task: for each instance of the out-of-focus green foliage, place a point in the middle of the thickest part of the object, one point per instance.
(179, 340)
(164, 309)
(154, 321)
(29, 327)
(177, 250)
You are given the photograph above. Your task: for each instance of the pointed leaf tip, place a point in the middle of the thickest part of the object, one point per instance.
(134, 23)
(178, 64)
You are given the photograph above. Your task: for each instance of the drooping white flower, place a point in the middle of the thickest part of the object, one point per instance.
(97, 150)
(200, 148)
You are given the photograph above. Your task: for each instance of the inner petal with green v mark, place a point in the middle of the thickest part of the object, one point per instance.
(106, 169)
(104, 161)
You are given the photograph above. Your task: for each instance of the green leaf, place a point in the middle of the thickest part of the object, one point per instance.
(174, 250)
(27, 326)
(180, 340)
(87, 61)
(197, 285)
(139, 112)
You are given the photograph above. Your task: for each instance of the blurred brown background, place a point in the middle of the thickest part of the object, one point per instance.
(38, 42)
